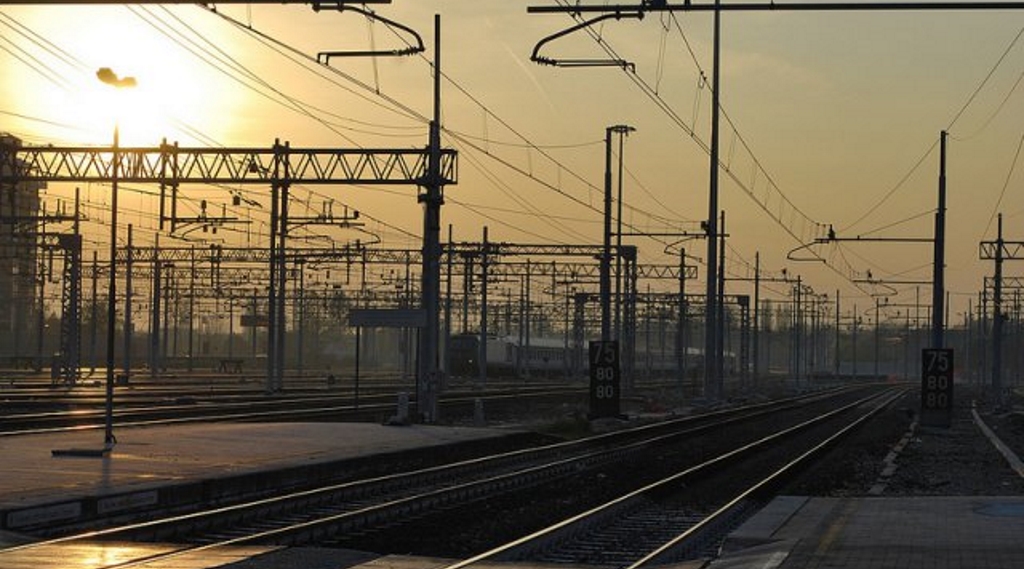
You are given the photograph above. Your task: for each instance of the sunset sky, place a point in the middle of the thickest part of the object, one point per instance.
(829, 118)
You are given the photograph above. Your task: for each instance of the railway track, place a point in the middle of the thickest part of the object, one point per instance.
(337, 513)
(673, 520)
(314, 406)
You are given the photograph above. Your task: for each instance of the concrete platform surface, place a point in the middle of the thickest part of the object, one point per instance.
(37, 487)
(972, 532)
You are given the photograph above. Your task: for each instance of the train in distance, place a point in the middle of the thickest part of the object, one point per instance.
(507, 356)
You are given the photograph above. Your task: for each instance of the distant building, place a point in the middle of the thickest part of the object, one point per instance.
(19, 261)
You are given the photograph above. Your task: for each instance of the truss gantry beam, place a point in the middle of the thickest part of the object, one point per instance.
(242, 255)
(1009, 283)
(172, 165)
(465, 249)
(262, 255)
(1011, 250)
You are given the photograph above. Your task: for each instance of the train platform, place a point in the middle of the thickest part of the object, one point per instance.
(954, 532)
(160, 467)
(168, 467)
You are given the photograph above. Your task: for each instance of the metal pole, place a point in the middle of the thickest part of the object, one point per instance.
(527, 318)
(467, 285)
(128, 308)
(997, 318)
(606, 252)
(618, 246)
(837, 362)
(756, 347)
(680, 337)
(108, 434)
(231, 327)
(446, 358)
(798, 323)
(856, 323)
(432, 199)
(968, 362)
(300, 317)
(483, 309)
(938, 268)
(93, 324)
(191, 308)
(168, 286)
(878, 309)
(359, 347)
(720, 318)
(154, 319)
(280, 327)
(41, 314)
(254, 327)
(275, 189)
(711, 372)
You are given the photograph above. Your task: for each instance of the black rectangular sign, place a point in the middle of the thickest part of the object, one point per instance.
(936, 387)
(605, 379)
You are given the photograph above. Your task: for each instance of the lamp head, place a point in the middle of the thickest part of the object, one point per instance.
(107, 75)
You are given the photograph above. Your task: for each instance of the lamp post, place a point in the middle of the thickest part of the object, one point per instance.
(623, 131)
(606, 256)
(108, 77)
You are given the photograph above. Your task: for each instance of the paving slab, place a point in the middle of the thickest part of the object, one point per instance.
(147, 463)
(877, 533)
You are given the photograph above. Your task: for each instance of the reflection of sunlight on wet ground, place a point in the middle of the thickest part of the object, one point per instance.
(100, 555)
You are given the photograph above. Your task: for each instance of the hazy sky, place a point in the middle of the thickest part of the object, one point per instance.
(835, 112)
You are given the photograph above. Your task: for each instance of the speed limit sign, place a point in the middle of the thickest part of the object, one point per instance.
(936, 387)
(605, 378)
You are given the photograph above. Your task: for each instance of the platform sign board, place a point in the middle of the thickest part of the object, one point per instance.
(605, 379)
(936, 387)
(255, 321)
(387, 317)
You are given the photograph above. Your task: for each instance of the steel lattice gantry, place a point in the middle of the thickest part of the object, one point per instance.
(69, 361)
(170, 164)
(278, 166)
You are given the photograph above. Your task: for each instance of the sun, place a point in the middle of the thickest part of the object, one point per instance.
(169, 93)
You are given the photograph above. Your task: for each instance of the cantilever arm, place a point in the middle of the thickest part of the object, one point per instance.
(536, 57)
(816, 257)
(412, 49)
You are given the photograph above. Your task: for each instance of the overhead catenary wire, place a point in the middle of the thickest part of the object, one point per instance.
(407, 232)
(844, 272)
(949, 127)
(453, 134)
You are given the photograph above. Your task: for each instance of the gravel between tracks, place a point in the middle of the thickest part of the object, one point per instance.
(955, 461)
(958, 461)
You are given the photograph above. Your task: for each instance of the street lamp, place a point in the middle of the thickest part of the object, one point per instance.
(107, 76)
(623, 131)
(605, 292)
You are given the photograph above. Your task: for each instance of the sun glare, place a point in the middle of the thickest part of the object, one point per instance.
(171, 88)
(135, 111)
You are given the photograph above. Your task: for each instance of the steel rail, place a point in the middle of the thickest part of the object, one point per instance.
(554, 455)
(670, 549)
(571, 525)
(223, 412)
